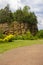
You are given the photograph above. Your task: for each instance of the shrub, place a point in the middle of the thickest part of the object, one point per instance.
(1, 40)
(40, 34)
(18, 37)
(24, 37)
(27, 36)
(9, 38)
(36, 37)
(2, 36)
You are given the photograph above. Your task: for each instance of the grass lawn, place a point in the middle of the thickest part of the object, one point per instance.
(18, 43)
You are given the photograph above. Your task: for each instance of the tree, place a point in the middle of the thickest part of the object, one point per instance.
(6, 15)
(26, 10)
(18, 15)
(33, 23)
(31, 19)
(26, 16)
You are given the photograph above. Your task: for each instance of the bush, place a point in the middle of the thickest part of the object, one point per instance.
(36, 37)
(40, 34)
(1, 40)
(2, 36)
(9, 38)
(27, 36)
(17, 37)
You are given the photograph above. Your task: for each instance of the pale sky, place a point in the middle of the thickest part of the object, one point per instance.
(35, 5)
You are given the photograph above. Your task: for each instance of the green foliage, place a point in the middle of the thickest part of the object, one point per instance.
(21, 15)
(32, 18)
(25, 15)
(18, 37)
(6, 15)
(2, 36)
(26, 10)
(9, 38)
(1, 40)
(18, 15)
(26, 36)
(40, 34)
(36, 37)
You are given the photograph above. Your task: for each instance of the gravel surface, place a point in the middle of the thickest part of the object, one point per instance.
(28, 55)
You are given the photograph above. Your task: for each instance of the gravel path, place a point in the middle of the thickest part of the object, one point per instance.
(29, 55)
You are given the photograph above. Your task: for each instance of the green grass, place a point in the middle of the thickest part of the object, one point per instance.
(18, 43)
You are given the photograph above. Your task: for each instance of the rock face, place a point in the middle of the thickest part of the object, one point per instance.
(17, 28)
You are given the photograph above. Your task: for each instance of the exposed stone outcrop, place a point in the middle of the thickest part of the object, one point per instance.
(17, 28)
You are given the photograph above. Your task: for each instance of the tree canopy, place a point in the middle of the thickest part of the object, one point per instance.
(18, 15)
(6, 15)
(25, 15)
(21, 16)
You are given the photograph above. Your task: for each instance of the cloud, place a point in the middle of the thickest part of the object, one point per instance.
(14, 4)
(40, 22)
(35, 5)
(3, 3)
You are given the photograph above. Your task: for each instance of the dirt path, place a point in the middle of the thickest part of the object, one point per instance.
(30, 55)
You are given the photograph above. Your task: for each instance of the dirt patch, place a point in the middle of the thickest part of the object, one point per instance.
(30, 55)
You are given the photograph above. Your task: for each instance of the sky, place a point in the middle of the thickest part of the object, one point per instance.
(35, 5)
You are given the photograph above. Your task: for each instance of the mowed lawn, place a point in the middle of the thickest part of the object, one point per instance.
(18, 43)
